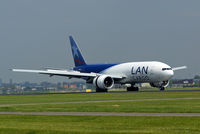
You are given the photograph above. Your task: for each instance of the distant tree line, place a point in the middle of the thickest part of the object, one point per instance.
(197, 77)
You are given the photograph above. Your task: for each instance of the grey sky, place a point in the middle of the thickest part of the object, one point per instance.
(34, 34)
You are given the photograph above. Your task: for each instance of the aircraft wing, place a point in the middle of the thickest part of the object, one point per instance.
(179, 68)
(67, 73)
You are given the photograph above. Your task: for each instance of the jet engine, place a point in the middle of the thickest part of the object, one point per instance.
(160, 84)
(103, 82)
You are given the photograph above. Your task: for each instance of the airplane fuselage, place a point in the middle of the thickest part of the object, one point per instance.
(133, 72)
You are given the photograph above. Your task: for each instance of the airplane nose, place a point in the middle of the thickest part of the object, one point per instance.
(170, 73)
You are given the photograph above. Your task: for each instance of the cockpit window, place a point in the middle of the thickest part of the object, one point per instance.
(166, 69)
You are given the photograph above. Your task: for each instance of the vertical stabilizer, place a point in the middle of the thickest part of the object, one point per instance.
(78, 58)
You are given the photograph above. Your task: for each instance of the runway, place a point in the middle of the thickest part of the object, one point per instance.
(184, 90)
(100, 114)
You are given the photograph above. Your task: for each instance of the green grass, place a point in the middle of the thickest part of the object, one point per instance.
(24, 124)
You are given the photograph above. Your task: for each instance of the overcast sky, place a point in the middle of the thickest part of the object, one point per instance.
(34, 34)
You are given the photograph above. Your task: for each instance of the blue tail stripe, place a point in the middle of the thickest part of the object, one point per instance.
(78, 58)
(95, 68)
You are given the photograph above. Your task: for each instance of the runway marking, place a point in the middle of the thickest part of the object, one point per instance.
(101, 114)
(98, 101)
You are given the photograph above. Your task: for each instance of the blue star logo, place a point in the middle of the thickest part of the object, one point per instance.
(75, 51)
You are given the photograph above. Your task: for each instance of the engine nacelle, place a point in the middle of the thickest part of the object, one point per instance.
(160, 84)
(103, 82)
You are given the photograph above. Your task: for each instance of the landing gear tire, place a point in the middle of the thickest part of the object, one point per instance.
(132, 89)
(101, 90)
(162, 88)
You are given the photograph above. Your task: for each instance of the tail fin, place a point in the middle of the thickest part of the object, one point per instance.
(78, 58)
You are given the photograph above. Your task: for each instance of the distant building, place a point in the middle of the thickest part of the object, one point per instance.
(11, 82)
(65, 86)
(73, 86)
(1, 83)
(59, 84)
(197, 82)
(183, 83)
(145, 85)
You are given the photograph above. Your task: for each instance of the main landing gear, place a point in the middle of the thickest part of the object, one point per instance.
(162, 88)
(132, 88)
(101, 90)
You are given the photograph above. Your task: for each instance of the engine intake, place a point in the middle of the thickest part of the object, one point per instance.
(103, 82)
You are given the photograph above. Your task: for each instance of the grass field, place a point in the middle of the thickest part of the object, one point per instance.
(185, 102)
(158, 106)
(13, 124)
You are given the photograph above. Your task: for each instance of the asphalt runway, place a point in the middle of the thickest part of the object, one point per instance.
(101, 114)
(184, 90)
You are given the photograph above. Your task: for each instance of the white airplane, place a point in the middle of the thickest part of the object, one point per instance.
(104, 76)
